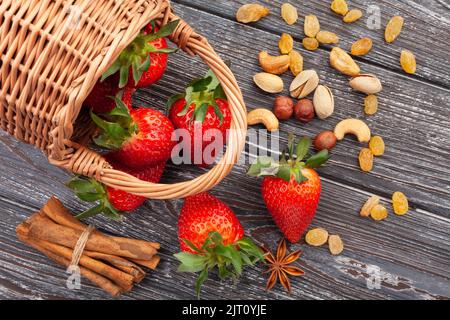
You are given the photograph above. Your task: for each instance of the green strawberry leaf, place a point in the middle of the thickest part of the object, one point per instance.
(219, 93)
(90, 196)
(302, 148)
(263, 166)
(165, 31)
(80, 185)
(200, 280)
(284, 172)
(190, 262)
(90, 212)
(121, 109)
(192, 246)
(318, 159)
(200, 113)
(111, 70)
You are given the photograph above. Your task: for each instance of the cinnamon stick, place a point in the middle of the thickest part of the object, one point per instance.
(151, 264)
(108, 261)
(41, 227)
(95, 278)
(120, 263)
(56, 211)
(122, 279)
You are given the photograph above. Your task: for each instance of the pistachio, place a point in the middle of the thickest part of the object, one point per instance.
(274, 65)
(343, 62)
(305, 83)
(269, 82)
(367, 83)
(323, 102)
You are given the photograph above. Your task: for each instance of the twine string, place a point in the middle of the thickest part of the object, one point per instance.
(81, 243)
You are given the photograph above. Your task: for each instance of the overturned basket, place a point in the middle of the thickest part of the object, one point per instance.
(52, 54)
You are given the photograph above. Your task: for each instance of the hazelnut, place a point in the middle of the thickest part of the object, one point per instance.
(304, 110)
(283, 107)
(325, 140)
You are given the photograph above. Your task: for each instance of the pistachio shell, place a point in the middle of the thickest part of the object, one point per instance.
(305, 83)
(367, 83)
(269, 82)
(323, 102)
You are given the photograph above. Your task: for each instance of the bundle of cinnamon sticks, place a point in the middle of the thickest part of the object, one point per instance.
(110, 262)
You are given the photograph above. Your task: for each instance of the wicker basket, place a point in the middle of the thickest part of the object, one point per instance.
(50, 63)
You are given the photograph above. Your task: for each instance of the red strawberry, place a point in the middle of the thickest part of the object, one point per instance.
(202, 214)
(143, 61)
(202, 108)
(210, 235)
(139, 138)
(124, 201)
(291, 188)
(113, 202)
(99, 100)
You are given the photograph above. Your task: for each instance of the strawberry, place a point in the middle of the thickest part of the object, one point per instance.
(200, 110)
(291, 187)
(113, 202)
(143, 61)
(211, 236)
(140, 137)
(99, 100)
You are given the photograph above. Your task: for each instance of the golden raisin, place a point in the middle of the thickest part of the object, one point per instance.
(310, 44)
(327, 37)
(295, 62)
(251, 13)
(371, 104)
(400, 203)
(367, 207)
(312, 26)
(408, 61)
(376, 145)
(339, 7)
(366, 160)
(316, 237)
(352, 16)
(286, 43)
(361, 47)
(289, 13)
(393, 29)
(335, 244)
(379, 212)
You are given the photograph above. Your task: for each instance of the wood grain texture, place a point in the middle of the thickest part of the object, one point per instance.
(411, 252)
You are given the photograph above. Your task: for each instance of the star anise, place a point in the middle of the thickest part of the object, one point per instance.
(279, 266)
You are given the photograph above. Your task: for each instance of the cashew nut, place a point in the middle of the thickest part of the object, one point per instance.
(353, 126)
(272, 64)
(263, 116)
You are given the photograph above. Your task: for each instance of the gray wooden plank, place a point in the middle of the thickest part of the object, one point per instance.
(413, 118)
(412, 252)
(425, 31)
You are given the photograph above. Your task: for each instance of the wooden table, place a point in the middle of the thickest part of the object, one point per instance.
(409, 256)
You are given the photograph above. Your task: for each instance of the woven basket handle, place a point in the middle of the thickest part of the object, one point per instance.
(194, 44)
